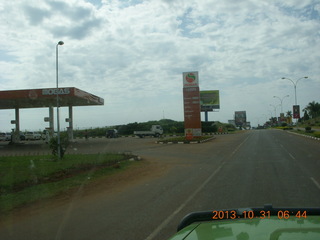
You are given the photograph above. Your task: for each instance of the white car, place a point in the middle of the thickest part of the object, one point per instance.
(32, 136)
(2, 136)
(5, 136)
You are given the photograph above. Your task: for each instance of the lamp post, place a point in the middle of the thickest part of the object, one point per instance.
(281, 100)
(275, 111)
(57, 90)
(295, 87)
(265, 117)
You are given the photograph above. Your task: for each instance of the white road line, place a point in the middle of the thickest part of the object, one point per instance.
(291, 156)
(288, 152)
(239, 146)
(315, 182)
(170, 217)
(166, 222)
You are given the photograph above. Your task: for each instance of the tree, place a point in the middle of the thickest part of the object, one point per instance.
(306, 116)
(289, 114)
(312, 109)
(64, 143)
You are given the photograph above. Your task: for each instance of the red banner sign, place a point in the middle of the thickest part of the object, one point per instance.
(296, 111)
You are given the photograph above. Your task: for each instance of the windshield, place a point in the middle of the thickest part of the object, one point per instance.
(126, 115)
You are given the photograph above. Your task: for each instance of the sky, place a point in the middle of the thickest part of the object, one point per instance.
(132, 53)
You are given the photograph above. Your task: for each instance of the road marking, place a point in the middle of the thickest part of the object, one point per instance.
(291, 156)
(315, 182)
(166, 222)
(237, 148)
(288, 152)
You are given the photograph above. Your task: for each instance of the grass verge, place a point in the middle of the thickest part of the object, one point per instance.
(311, 134)
(26, 179)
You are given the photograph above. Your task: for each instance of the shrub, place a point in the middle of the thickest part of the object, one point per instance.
(317, 134)
(64, 143)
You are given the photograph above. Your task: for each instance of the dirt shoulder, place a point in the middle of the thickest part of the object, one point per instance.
(139, 172)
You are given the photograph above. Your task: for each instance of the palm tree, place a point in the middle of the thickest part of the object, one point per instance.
(313, 109)
(289, 114)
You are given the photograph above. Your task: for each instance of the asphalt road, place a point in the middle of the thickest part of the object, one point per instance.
(249, 169)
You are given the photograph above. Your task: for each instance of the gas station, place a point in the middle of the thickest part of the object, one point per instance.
(46, 98)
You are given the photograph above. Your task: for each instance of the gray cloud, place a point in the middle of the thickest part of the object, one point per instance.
(36, 15)
(63, 19)
(76, 30)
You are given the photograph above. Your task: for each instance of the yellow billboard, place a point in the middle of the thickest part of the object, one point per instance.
(209, 100)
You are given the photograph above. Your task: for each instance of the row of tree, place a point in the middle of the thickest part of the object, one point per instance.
(169, 126)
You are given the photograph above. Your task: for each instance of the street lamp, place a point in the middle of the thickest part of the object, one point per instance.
(281, 100)
(295, 86)
(57, 90)
(275, 109)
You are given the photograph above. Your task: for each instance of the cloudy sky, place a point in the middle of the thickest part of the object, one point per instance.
(132, 54)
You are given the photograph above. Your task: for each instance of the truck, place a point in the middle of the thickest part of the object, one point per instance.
(155, 131)
(112, 133)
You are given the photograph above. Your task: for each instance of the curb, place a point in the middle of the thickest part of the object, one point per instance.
(314, 138)
(192, 142)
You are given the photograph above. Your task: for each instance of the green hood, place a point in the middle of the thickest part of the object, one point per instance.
(271, 228)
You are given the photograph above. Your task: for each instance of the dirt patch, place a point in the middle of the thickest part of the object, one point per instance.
(140, 172)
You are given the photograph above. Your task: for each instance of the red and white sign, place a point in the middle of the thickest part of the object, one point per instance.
(190, 79)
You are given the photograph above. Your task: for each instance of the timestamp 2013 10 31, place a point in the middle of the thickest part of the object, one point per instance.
(281, 214)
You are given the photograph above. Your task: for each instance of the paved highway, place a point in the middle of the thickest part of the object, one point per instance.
(251, 168)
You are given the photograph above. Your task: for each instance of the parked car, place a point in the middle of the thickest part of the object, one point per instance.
(8, 136)
(22, 137)
(32, 136)
(5, 136)
(2, 136)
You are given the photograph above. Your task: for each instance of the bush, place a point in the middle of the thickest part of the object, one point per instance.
(64, 143)
(308, 129)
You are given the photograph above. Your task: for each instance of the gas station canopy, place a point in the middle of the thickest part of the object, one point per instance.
(47, 97)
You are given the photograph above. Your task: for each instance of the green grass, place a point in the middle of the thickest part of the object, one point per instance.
(25, 179)
(312, 134)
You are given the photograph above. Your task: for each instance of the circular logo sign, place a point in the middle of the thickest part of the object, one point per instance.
(33, 94)
(190, 77)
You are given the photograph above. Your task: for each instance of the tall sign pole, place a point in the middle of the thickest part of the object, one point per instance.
(191, 102)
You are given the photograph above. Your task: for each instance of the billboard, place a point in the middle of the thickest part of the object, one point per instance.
(296, 111)
(209, 100)
(191, 103)
(240, 118)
